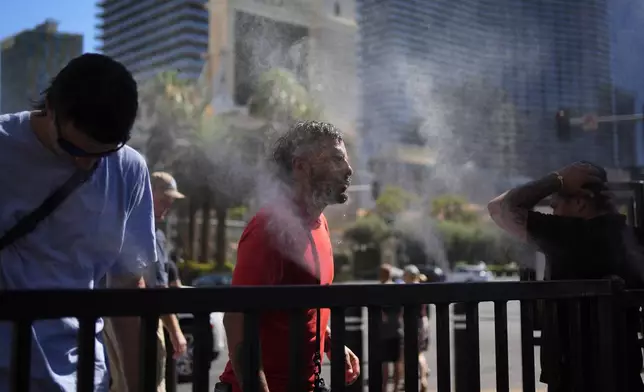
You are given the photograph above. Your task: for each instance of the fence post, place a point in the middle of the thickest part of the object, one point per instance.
(461, 375)
(353, 321)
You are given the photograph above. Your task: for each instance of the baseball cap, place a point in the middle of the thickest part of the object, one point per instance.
(412, 270)
(598, 188)
(167, 183)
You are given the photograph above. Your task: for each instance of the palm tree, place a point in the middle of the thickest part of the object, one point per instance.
(214, 155)
(279, 97)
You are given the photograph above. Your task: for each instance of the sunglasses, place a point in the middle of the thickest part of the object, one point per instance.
(77, 152)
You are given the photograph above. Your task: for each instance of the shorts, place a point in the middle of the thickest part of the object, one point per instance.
(114, 356)
(391, 350)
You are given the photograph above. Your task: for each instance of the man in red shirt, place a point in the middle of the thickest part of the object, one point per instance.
(287, 242)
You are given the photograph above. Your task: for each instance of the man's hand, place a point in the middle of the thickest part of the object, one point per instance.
(352, 366)
(576, 175)
(179, 344)
(351, 363)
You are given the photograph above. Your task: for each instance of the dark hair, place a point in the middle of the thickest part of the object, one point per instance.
(97, 94)
(303, 135)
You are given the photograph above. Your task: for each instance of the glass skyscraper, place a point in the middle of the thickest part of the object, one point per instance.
(484, 79)
(30, 59)
(150, 36)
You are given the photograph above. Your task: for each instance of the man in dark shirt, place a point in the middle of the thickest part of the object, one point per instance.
(584, 238)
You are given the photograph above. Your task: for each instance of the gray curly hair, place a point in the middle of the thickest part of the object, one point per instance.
(302, 137)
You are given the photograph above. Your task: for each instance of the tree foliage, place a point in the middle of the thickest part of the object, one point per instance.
(453, 208)
(214, 156)
(280, 97)
(393, 200)
(369, 230)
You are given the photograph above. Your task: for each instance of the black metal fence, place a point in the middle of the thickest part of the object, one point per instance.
(22, 308)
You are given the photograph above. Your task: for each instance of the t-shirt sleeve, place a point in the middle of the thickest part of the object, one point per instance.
(160, 264)
(257, 263)
(173, 272)
(546, 230)
(138, 252)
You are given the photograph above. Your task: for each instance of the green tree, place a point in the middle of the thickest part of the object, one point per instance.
(280, 97)
(453, 208)
(369, 230)
(206, 152)
(392, 201)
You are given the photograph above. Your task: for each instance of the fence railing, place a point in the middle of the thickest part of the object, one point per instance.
(23, 307)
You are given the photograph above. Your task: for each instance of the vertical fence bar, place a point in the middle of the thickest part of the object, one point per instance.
(501, 346)
(474, 360)
(461, 349)
(148, 354)
(86, 355)
(576, 357)
(252, 352)
(20, 355)
(375, 357)
(202, 353)
(527, 346)
(337, 350)
(606, 377)
(411, 318)
(620, 345)
(296, 379)
(443, 361)
(170, 364)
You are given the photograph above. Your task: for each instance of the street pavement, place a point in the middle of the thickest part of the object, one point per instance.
(487, 356)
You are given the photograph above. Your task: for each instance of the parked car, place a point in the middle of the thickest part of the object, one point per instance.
(433, 273)
(185, 363)
(471, 273)
(213, 280)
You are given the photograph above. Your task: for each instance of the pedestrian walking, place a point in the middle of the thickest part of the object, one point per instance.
(412, 275)
(165, 193)
(287, 242)
(70, 149)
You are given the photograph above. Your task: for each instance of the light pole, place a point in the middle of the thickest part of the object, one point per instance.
(590, 122)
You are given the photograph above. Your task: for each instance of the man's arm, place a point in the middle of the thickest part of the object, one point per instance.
(510, 210)
(234, 326)
(178, 340)
(327, 342)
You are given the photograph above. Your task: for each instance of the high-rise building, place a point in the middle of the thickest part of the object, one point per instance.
(482, 80)
(315, 39)
(151, 36)
(28, 61)
(627, 64)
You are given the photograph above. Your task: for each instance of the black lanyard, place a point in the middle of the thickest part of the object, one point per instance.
(317, 357)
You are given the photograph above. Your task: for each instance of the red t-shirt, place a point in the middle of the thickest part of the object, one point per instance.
(268, 256)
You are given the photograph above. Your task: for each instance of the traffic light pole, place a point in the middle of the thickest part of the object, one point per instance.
(564, 123)
(611, 119)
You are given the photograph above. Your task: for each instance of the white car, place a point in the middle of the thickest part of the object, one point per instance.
(470, 273)
(185, 363)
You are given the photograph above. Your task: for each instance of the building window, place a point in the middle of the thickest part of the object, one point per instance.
(336, 8)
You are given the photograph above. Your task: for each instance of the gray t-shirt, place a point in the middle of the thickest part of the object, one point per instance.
(160, 267)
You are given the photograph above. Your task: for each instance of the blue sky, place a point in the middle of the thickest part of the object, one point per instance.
(74, 16)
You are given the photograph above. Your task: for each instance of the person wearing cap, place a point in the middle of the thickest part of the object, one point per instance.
(391, 335)
(584, 238)
(164, 193)
(412, 275)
